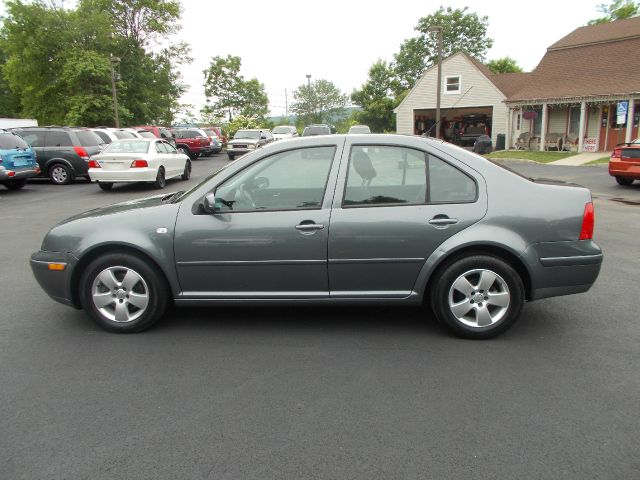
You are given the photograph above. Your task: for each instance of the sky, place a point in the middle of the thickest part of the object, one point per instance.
(282, 41)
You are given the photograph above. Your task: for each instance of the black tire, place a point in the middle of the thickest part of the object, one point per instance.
(60, 174)
(231, 157)
(15, 184)
(153, 286)
(186, 175)
(161, 181)
(482, 303)
(105, 185)
(625, 181)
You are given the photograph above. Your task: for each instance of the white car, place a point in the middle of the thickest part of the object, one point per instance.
(138, 160)
(284, 131)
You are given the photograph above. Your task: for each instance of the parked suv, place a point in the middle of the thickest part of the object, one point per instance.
(247, 140)
(192, 141)
(470, 128)
(62, 152)
(17, 161)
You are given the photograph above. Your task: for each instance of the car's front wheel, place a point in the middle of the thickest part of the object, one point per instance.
(123, 293)
(624, 181)
(478, 296)
(231, 156)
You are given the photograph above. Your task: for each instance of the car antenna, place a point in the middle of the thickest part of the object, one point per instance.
(426, 134)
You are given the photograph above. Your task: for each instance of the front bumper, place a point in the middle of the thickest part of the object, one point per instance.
(55, 283)
(128, 175)
(18, 174)
(621, 168)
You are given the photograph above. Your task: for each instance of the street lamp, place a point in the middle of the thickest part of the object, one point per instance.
(114, 62)
(438, 30)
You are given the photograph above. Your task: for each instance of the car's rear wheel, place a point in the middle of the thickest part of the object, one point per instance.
(231, 157)
(105, 185)
(161, 181)
(60, 174)
(186, 175)
(15, 184)
(477, 297)
(624, 181)
(123, 293)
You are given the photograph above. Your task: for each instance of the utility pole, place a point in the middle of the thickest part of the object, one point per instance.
(438, 30)
(114, 62)
(309, 92)
(286, 105)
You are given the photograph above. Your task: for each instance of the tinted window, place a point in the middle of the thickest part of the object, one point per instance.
(381, 175)
(87, 138)
(57, 138)
(103, 136)
(123, 134)
(9, 141)
(448, 184)
(286, 181)
(127, 146)
(33, 138)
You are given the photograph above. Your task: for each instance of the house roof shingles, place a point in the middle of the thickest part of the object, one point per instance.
(597, 60)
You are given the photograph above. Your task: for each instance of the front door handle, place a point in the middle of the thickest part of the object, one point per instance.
(309, 226)
(442, 221)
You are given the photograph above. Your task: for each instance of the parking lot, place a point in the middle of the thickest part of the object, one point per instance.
(258, 393)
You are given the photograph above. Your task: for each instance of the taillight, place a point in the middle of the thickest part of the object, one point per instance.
(82, 153)
(588, 219)
(94, 164)
(617, 153)
(11, 173)
(139, 164)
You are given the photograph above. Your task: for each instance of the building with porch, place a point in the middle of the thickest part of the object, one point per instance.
(570, 101)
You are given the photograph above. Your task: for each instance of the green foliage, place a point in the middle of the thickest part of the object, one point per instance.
(504, 65)
(319, 102)
(462, 31)
(376, 98)
(56, 61)
(616, 10)
(229, 94)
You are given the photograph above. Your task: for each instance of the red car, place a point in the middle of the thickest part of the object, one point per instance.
(624, 163)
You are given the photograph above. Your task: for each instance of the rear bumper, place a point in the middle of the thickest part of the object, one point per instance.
(55, 283)
(18, 174)
(620, 168)
(129, 175)
(563, 268)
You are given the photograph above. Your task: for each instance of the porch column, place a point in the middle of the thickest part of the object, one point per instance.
(507, 143)
(583, 120)
(543, 126)
(630, 114)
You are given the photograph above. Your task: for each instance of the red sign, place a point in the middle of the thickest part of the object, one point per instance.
(530, 115)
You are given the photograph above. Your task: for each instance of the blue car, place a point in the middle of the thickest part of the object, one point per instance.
(17, 161)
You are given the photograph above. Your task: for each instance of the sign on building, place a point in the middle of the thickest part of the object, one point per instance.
(590, 144)
(621, 112)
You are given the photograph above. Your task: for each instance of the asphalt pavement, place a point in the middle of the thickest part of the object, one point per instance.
(327, 393)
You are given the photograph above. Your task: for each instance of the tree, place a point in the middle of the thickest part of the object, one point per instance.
(462, 31)
(376, 98)
(229, 94)
(503, 65)
(320, 102)
(617, 10)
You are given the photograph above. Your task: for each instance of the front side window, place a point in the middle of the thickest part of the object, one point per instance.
(291, 180)
(388, 176)
(452, 84)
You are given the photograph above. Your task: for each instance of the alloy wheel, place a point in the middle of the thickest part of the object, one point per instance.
(120, 294)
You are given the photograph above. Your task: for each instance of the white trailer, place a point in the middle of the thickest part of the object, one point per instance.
(17, 122)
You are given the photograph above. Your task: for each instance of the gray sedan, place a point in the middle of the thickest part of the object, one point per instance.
(342, 219)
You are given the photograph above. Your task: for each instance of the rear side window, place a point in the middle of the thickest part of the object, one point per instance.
(123, 134)
(447, 184)
(9, 141)
(87, 138)
(104, 137)
(33, 138)
(57, 138)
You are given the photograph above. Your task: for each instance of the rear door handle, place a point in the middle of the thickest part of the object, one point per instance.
(442, 221)
(309, 227)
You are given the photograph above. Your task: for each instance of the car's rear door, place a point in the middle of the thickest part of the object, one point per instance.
(393, 207)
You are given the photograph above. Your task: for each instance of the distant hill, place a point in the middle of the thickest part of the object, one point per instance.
(294, 118)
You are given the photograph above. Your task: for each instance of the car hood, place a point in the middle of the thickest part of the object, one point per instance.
(119, 208)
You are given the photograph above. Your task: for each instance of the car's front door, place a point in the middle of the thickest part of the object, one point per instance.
(397, 206)
(268, 238)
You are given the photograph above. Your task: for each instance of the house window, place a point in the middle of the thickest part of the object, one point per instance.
(537, 123)
(574, 121)
(452, 84)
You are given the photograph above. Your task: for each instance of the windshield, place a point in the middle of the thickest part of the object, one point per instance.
(251, 134)
(88, 138)
(127, 146)
(282, 130)
(9, 141)
(320, 130)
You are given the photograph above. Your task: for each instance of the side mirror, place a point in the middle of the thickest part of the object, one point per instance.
(209, 203)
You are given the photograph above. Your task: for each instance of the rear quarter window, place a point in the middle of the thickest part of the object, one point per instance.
(58, 139)
(9, 141)
(88, 138)
(123, 134)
